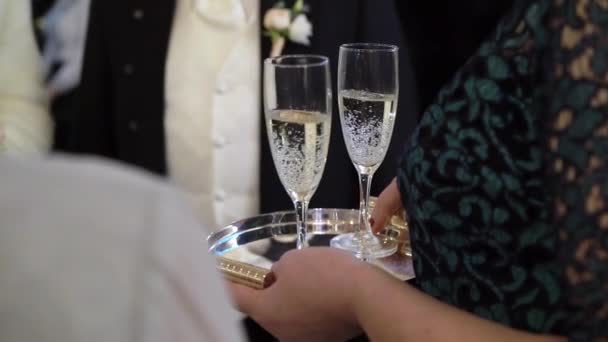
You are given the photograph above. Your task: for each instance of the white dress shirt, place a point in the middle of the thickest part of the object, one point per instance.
(212, 122)
(25, 123)
(91, 252)
(65, 29)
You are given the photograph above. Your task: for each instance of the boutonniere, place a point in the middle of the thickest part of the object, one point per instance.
(284, 24)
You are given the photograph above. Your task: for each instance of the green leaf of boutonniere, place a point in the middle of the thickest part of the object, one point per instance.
(275, 34)
(298, 7)
(280, 4)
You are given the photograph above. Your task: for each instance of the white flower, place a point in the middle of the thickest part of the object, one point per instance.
(300, 30)
(277, 19)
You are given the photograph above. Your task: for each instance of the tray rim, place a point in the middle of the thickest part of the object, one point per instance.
(256, 277)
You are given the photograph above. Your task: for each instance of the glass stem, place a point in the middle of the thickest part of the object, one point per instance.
(301, 214)
(365, 183)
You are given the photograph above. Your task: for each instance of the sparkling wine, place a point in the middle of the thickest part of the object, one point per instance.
(367, 124)
(299, 141)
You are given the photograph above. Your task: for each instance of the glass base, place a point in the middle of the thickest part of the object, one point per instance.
(365, 246)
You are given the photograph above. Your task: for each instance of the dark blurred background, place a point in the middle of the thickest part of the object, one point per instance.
(443, 34)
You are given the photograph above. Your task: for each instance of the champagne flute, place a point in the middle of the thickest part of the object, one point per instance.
(368, 86)
(297, 104)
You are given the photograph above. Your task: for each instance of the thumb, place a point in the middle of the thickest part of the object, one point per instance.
(246, 299)
(388, 203)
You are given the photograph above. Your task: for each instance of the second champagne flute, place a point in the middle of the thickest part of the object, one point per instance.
(368, 86)
(297, 103)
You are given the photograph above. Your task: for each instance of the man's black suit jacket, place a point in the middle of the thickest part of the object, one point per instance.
(120, 102)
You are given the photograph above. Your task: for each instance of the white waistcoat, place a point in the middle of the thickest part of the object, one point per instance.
(25, 122)
(212, 107)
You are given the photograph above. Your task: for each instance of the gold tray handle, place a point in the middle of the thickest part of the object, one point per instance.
(245, 274)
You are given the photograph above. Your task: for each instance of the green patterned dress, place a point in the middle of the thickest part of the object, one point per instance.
(506, 180)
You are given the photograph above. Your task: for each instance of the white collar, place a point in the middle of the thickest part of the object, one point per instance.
(227, 13)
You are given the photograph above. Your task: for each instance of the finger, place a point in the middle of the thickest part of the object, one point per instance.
(246, 299)
(378, 220)
(388, 203)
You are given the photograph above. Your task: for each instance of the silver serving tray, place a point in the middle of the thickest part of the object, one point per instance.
(248, 248)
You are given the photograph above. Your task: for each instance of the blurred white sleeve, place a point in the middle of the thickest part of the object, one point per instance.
(25, 122)
(184, 296)
(96, 253)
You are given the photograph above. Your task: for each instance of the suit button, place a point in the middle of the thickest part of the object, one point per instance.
(219, 142)
(222, 87)
(138, 14)
(133, 126)
(220, 196)
(128, 69)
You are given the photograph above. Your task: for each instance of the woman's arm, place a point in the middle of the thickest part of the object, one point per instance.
(323, 294)
(25, 123)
